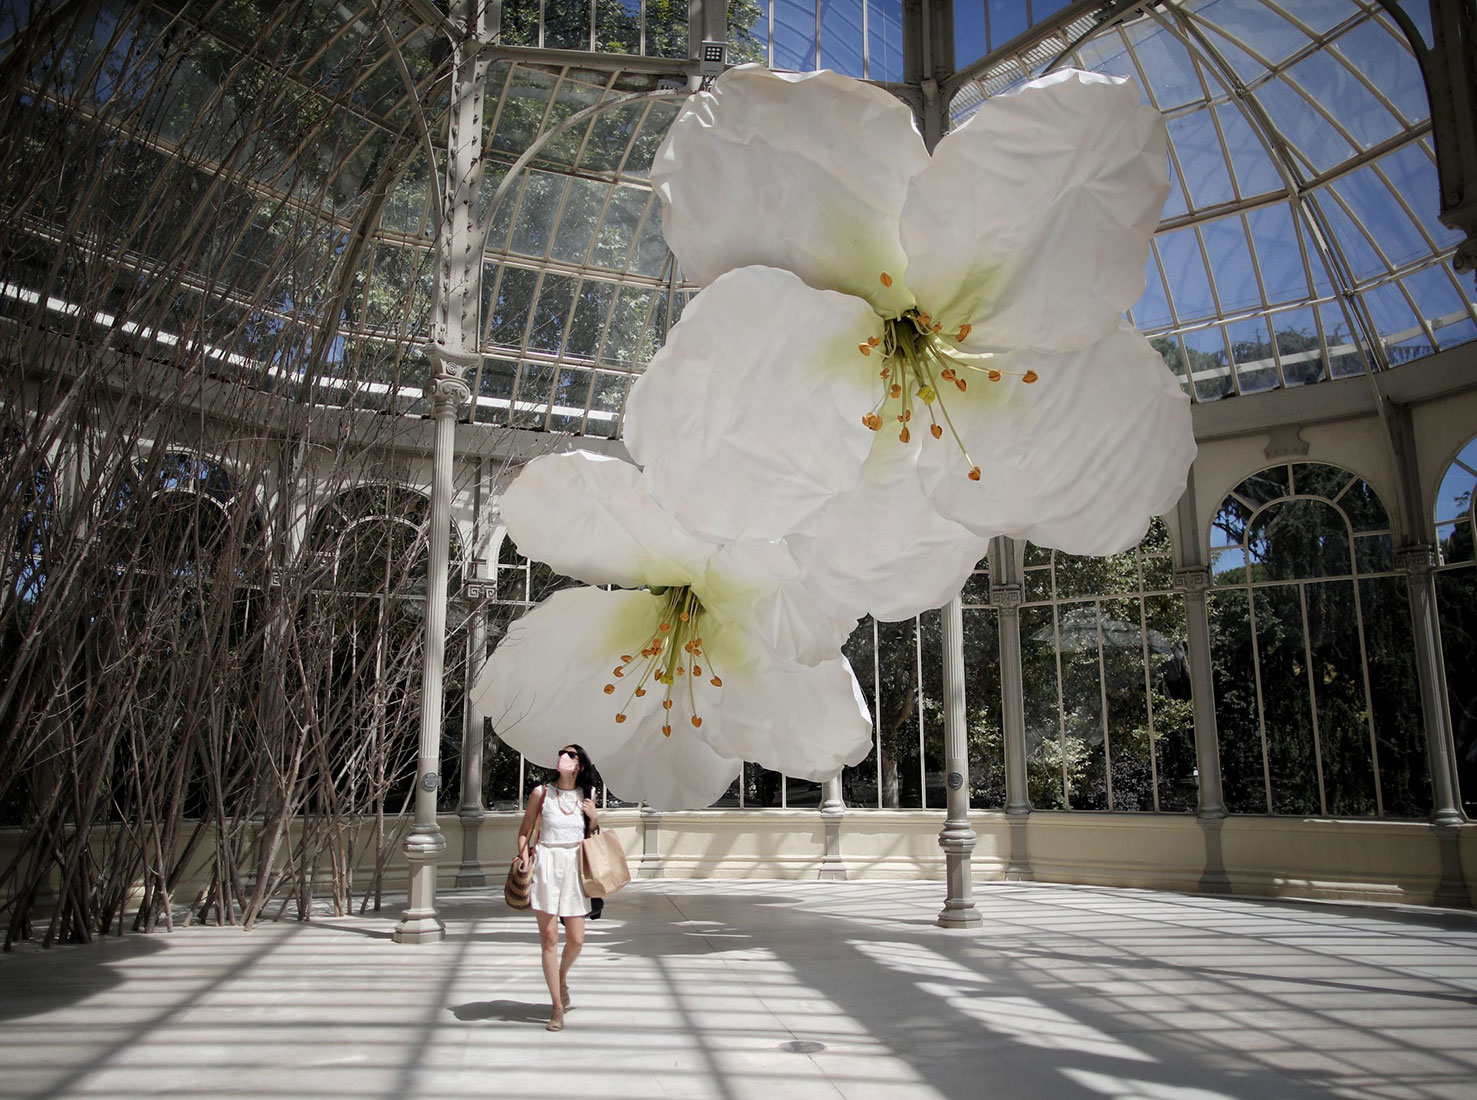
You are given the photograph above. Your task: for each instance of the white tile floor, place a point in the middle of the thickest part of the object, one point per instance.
(771, 991)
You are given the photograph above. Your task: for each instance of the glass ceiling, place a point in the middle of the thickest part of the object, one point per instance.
(1300, 241)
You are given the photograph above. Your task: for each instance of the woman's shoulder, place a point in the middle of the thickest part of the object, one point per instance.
(538, 793)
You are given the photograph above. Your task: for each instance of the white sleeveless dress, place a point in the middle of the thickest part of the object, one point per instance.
(556, 871)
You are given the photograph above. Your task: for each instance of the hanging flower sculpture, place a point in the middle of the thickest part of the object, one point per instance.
(897, 356)
(707, 655)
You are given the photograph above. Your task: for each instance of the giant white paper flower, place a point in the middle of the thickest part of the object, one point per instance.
(723, 656)
(900, 356)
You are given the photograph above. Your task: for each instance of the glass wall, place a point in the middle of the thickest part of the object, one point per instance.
(1315, 683)
(1109, 722)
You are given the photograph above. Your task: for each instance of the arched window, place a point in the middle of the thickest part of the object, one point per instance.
(1456, 604)
(1316, 697)
(1109, 724)
(368, 548)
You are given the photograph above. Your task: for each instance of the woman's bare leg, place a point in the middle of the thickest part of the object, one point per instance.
(574, 940)
(548, 935)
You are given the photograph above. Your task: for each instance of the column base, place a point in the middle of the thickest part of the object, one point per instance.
(960, 918)
(470, 873)
(419, 928)
(1213, 880)
(1019, 868)
(833, 867)
(419, 923)
(1452, 891)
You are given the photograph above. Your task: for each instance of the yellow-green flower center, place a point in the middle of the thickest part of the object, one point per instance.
(672, 658)
(921, 363)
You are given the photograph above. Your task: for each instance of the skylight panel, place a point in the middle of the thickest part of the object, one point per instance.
(842, 45)
(1231, 264)
(1327, 80)
(1201, 159)
(1184, 271)
(1257, 27)
(1382, 216)
(1279, 253)
(1385, 59)
(1304, 127)
(1166, 65)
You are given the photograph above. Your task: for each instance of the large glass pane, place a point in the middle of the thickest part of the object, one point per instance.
(794, 34)
(1083, 747)
(897, 713)
(1405, 773)
(931, 654)
(1338, 685)
(842, 46)
(1043, 730)
(1174, 712)
(1204, 170)
(983, 703)
(1130, 741)
(1283, 660)
(1243, 775)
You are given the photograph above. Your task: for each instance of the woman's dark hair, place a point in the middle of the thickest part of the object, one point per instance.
(586, 777)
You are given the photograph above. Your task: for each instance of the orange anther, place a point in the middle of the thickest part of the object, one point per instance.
(618, 673)
(684, 616)
(679, 670)
(716, 681)
(993, 376)
(974, 473)
(962, 384)
(947, 374)
(907, 415)
(874, 340)
(964, 330)
(895, 391)
(886, 279)
(865, 349)
(903, 435)
(872, 420)
(625, 658)
(666, 731)
(666, 704)
(666, 627)
(697, 670)
(1029, 377)
(620, 717)
(696, 721)
(640, 692)
(937, 326)
(609, 689)
(936, 431)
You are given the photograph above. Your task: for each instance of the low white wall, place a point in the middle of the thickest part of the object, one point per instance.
(1262, 856)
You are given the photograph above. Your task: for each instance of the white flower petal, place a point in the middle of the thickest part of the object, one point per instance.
(543, 685)
(759, 587)
(806, 172)
(883, 549)
(590, 517)
(1032, 222)
(1080, 460)
(803, 722)
(749, 418)
(667, 773)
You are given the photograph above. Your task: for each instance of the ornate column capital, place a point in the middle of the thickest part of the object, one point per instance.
(449, 387)
(1007, 597)
(1416, 560)
(1192, 580)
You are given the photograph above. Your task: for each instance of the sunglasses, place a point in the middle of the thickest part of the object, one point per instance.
(569, 753)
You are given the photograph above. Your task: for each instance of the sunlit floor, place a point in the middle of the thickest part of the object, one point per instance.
(772, 990)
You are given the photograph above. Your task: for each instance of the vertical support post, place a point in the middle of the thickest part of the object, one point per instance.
(471, 811)
(957, 838)
(453, 351)
(1006, 597)
(1192, 580)
(651, 843)
(833, 809)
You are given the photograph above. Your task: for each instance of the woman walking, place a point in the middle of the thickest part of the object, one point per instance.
(561, 810)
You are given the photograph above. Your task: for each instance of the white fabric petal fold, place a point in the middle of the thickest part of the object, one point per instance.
(1080, 460)
(667, 773)
(883, 549)
(761, 590)
(590, 517)
(1032, 221)
(543, 686)
(820, 163)
(803, 722)
(743, 420)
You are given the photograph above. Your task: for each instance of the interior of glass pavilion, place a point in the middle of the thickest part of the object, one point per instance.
(291, 291)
